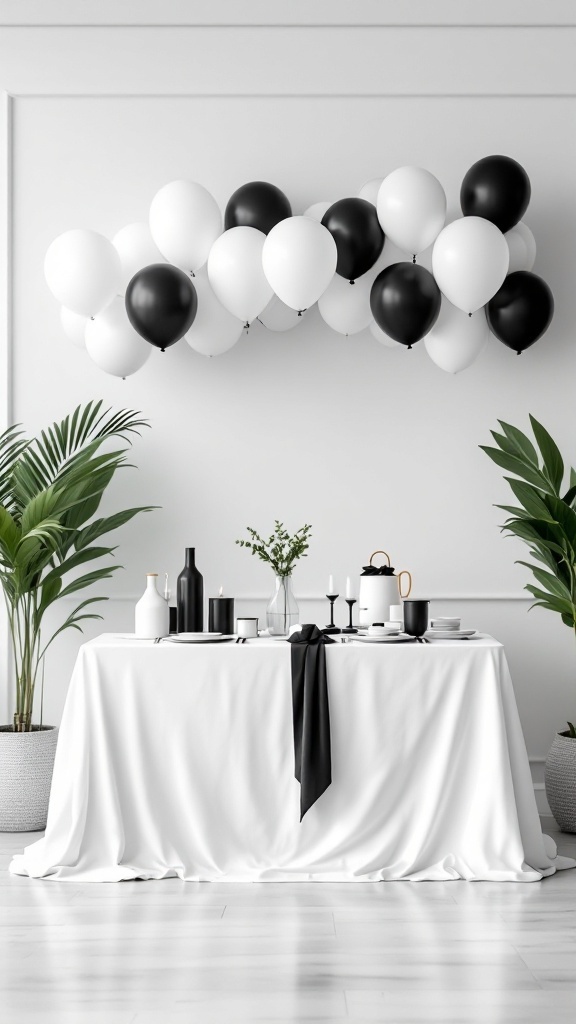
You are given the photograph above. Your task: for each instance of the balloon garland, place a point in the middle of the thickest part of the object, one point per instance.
(195, 274)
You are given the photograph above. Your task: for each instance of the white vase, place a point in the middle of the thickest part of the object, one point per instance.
(152, 615)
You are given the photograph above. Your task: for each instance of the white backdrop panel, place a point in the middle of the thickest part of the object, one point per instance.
(307, 426)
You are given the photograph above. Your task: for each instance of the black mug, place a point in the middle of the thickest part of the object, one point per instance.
(416, 614)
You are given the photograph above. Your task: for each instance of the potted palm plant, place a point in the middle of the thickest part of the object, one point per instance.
(545, 519)
(51, 487)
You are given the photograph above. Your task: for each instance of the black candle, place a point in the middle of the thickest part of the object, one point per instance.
(221, 614)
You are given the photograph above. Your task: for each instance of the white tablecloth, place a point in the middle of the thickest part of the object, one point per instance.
(178, 760)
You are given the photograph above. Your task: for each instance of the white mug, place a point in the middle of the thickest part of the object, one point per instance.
(247, 628)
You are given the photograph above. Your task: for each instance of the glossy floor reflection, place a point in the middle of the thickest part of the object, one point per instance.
(172, 952)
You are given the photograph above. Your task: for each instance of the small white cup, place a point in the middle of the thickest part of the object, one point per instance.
(396, 613)
(247, 628)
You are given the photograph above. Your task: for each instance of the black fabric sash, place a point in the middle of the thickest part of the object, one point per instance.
(311, 715)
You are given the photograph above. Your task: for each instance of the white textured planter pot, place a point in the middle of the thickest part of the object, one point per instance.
(26, 763)
(560, 781)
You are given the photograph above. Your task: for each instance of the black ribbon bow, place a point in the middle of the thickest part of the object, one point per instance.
(311, 715)
(377, 570)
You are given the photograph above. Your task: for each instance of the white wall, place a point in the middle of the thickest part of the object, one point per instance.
(308, 426)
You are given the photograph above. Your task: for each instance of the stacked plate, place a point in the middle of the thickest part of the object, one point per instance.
(442, 628)
(445, 623)
(450, 634)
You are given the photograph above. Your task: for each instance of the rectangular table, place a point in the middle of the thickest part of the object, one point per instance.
(179, 760)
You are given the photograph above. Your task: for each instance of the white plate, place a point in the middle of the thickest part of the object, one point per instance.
(399, 638)
(450, 634)
(194, 636)
(383, 632)
(197, 638)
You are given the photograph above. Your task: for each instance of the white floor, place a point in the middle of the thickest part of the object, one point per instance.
(172, 952)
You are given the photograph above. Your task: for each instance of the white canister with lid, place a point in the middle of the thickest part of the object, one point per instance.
(378, 593)
(152, 614)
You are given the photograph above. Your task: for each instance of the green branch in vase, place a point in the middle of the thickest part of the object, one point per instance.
(281, 551)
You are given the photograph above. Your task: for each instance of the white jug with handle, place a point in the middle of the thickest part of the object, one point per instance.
(380, 590)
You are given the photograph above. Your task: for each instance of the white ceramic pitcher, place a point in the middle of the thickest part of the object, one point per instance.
(377, 593)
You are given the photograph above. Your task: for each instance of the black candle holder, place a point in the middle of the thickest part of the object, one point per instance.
(331, 628)
(350, 601)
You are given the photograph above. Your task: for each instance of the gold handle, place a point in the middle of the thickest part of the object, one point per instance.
(400, 575)
(380, 552)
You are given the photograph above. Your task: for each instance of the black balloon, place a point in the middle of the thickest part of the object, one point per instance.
(521, 310)
(498, 189)
(161, 304)
(405, 302)
(257, 205)
(354, 226)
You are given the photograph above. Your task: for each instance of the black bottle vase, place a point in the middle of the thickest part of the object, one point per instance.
(190, 597)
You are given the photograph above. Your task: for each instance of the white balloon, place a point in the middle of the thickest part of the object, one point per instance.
(235, 272)
(346, 307)
(470, 261)
(383, 338)
(517, 251)
(82, 269)
(136, 249)
(214, 330)
(185, 221)
(279, 317)
(74, 326)
(299, 259)
(456, 339)
(317, 210)
(522, 247)
(370, 189)
(113, 344)
(411, 208)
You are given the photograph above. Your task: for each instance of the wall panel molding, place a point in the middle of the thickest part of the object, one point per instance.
(318, 14)
(289, 60)
(322, 597)
(6, 300)
(6, 183)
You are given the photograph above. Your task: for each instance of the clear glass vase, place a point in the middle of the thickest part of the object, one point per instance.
(282, 611)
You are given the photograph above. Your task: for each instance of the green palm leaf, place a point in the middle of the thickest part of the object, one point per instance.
(553, 462)
(88, 579)
(530, 498)
(107, 524)
(551, 583)
(518, 443)
(514, 464)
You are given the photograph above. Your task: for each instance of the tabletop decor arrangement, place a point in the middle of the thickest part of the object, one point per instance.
(51, 487)
(545, 519)
(281, 552)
